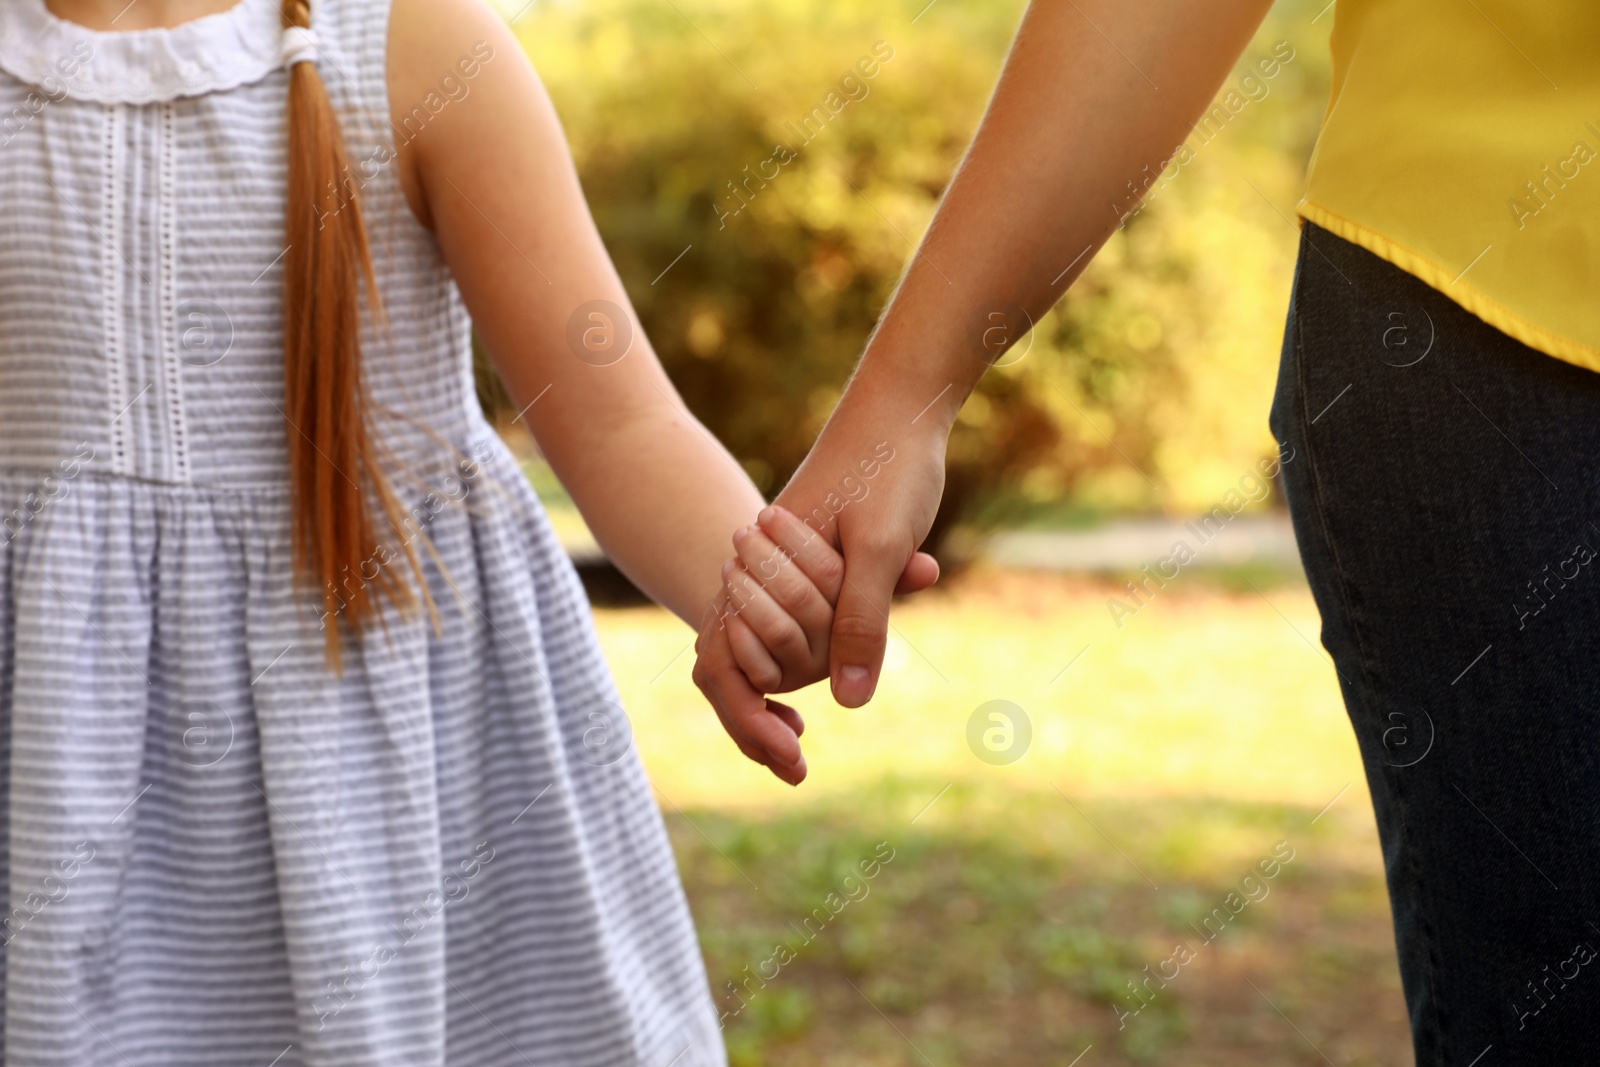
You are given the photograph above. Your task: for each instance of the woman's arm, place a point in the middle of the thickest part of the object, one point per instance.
(1095, 96)
(491, 176)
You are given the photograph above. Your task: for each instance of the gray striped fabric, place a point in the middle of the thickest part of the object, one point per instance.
(215, 852)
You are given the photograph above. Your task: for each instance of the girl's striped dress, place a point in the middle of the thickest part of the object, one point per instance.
(214, 852)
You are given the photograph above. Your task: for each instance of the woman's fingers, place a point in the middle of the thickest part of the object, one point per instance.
(752, 602)
(811, 552)
(921, 572)
(822, 563)
(802, 615)
(751, 654)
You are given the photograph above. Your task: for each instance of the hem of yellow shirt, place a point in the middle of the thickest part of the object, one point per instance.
(1432, 274)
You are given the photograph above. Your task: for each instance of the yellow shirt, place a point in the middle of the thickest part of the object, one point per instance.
(1462, 144)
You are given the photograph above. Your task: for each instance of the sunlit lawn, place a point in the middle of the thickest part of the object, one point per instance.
(1168, 760)
(1200, 693)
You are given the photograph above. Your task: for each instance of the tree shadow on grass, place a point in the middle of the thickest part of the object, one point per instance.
(920, 922)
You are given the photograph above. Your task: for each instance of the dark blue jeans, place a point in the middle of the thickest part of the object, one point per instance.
(1445, 490)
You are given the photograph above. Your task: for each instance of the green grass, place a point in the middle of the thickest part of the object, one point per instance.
(1201, 693)
(1166, 762)
(1007, 924)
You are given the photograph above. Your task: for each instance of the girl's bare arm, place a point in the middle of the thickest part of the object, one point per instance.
(490, 174)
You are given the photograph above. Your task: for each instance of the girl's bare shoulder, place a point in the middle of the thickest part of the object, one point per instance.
(441, 54)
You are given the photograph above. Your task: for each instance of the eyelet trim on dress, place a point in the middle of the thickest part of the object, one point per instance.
(111, 211)
(235, 47)
(171, 366)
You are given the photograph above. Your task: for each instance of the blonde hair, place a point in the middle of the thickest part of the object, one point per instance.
(334, 474)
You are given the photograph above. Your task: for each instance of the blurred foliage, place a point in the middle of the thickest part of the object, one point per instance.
(1147, 387)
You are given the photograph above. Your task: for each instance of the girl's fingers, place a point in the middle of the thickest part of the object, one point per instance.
(751, 654)
(791, 718)
(765, 737)
(736, 729)
(784, 581)
(816, 557)
(787, 644)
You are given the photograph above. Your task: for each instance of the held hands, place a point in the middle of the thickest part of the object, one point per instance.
(780, 591)
(794, 609)
(768, 632)
(782, 639)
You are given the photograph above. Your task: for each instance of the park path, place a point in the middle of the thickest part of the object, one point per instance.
(1128, 544)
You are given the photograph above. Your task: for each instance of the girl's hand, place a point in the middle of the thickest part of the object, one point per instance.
(772, 622)
(780, 594)
(767, 632)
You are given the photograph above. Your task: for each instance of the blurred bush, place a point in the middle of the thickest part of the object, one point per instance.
(1146, 389)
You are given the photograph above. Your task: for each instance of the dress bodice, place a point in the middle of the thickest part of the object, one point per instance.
(143, 177)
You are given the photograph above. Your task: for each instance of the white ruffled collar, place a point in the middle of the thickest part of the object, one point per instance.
(217, 52)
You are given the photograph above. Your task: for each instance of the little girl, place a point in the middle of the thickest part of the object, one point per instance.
(311, 756)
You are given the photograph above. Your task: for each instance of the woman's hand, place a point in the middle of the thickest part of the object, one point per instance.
(873, 482)
(779, 596)
(771, 624)
(1072, 124)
